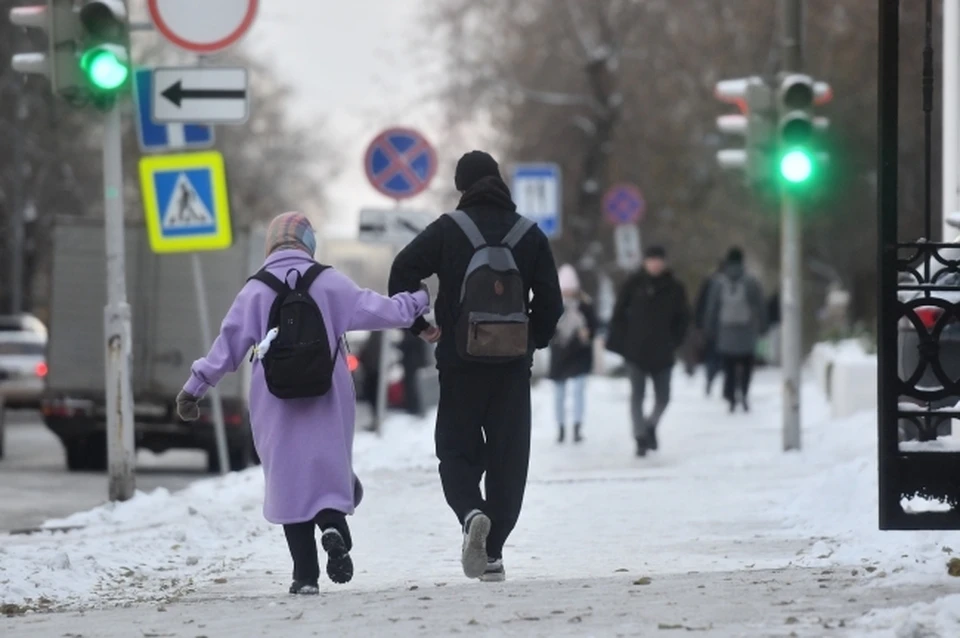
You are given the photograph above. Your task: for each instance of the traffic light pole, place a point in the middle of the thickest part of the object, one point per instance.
(791, 289)
(121, 452)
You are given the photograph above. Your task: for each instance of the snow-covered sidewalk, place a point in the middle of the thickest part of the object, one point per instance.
(735, 537)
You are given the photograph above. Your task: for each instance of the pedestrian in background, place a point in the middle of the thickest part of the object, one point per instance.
(571, 352)
(649, 324)
(305, 443)
(413, 357)
(737, 316)
(499, 300)
(712, 363)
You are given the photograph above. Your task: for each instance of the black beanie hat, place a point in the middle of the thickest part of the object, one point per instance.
(656, 252)
(473, 167)
(735, 255)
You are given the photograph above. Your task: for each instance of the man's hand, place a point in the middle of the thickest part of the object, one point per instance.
(188, 406)
(431, 334)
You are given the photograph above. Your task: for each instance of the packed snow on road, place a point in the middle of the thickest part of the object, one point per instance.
(719, 531)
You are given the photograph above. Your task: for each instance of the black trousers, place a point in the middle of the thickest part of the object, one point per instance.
(483, 431)
(738, 372)
(302, 542)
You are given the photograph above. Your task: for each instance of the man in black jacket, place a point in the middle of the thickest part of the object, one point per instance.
(649, 323)
(484, 419)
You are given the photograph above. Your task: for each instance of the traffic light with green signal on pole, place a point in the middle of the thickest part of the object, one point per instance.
(799, 159)
(87, 59)
(104, 57)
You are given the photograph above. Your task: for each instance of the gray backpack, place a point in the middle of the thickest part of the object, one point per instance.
(735, 309)
(493, 325)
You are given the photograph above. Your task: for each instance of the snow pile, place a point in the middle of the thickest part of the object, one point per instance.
(839, 505)
(940, 618)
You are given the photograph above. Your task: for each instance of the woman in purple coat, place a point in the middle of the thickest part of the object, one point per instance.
(306, 444)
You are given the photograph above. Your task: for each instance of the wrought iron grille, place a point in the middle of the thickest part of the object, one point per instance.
(919, 323)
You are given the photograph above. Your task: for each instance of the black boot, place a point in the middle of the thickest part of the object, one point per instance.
(577, 434)
(745, 404)
(563, 434)
(641, 447)
(652, 437)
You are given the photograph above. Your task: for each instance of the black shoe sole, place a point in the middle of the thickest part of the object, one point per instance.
(339, 563)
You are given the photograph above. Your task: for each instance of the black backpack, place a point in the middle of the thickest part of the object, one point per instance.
(493, 325)
(299, 363)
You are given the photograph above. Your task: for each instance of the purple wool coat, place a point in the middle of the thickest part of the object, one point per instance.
(305, 445)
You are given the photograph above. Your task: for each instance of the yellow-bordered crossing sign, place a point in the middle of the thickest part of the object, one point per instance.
(186, 202)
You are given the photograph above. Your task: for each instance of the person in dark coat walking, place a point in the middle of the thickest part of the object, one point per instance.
(484, 415)
(649, 324)
(571, 352)
(712, 363)
(737, 315)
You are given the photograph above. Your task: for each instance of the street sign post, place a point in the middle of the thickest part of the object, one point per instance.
(200, 94)
(624, 204)
(400, 163)
(155, 137)
(396, 227)
(186, 202)
(203, 26)
(627, 241)
(537, 191)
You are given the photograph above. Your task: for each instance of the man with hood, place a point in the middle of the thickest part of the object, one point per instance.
(736, 317)
(648, 326)
(484, 415)
(711, 360)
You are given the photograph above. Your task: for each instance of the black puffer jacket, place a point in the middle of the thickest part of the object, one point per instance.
(649, 321)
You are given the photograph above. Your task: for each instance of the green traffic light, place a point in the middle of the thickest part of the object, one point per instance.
(796, 166)
(104, 68)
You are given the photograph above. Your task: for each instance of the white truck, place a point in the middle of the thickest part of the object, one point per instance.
(166, 341)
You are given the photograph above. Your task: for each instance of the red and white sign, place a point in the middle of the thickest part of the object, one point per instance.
(203, 26)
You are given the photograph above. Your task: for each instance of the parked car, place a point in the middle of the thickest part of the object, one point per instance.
(23, 367)
(909, 349)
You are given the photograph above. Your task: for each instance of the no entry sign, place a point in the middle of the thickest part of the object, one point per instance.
(203, 26)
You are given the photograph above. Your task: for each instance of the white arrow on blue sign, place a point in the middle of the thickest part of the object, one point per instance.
(156, 137)
(538, 195)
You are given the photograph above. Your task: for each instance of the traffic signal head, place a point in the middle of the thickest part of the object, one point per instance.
(58, 62)
(104, 56)
(755, 123)
(798, 159)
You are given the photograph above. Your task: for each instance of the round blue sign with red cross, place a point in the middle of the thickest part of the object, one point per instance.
(400, 163)
(624, 204)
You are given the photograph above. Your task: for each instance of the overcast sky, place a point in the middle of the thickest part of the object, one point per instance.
(358, 66)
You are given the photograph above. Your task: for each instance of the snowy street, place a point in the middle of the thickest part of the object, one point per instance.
(720, 533)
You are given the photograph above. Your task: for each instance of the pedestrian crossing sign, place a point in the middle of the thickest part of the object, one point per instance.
(186, 203)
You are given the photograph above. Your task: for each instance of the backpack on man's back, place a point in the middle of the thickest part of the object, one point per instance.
(493, 325)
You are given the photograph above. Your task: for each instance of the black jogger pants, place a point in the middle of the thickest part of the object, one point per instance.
(302, 541)
(738, 372)
(483, 428)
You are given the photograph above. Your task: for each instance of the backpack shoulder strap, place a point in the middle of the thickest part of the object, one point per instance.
(309, 276)
(264, 276)
(469, 228)
(519, 230)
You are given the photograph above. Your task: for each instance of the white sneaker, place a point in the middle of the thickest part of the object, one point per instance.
(476, 528)
(494, 573)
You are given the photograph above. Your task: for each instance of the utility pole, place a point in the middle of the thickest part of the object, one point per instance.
(791, 289)
(16, 218)
(121, 452)
(951, 117)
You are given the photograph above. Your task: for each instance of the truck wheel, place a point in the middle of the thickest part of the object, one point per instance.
(76, 455)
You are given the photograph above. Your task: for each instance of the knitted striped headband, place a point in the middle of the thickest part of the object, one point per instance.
(291, 230)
